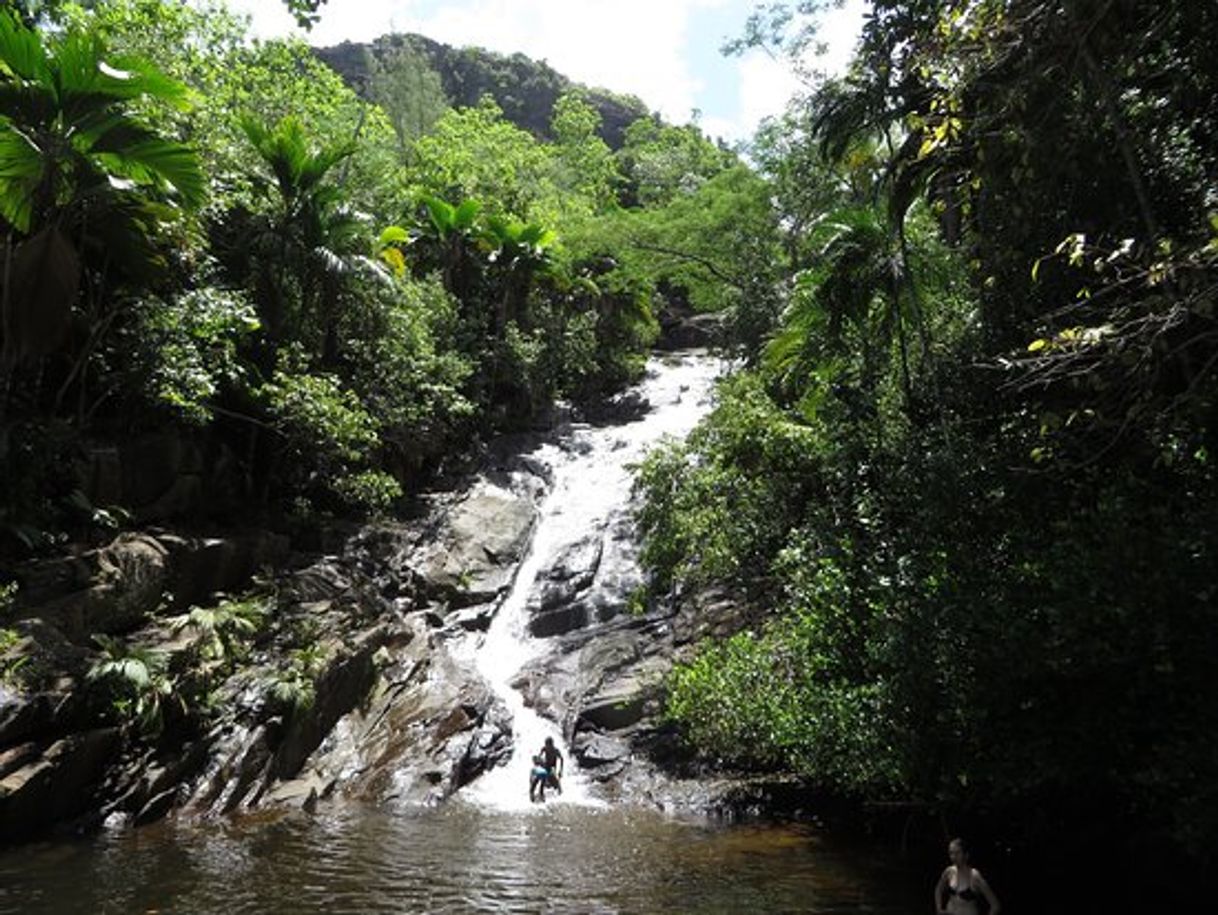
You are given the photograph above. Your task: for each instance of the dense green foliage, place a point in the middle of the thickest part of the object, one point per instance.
(971, 479)
(218, 240)
(526, 90)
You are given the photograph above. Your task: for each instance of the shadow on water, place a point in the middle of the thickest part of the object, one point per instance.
(454, 859)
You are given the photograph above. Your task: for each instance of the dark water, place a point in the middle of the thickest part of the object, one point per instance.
(453, 859)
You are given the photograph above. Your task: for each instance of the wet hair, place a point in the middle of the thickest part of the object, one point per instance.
(959, 843)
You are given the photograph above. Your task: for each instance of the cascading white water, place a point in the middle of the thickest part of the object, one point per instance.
(592, 482)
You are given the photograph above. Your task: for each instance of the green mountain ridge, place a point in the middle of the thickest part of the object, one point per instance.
(524, 88)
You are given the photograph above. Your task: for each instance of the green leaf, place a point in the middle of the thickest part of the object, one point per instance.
(441, 213)
(466, 213)
(393, 235)
(21, 50)
(153, 158)
(22, 168)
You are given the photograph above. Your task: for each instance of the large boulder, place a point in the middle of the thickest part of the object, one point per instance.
(683, 328)
(428, 727)
(477, 547)
(204, 566)
(122, 584)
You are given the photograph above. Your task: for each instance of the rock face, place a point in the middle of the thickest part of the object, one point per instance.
(54, 782)
(161, 476)
(108, 590)
(114, 589)
(65, 756)
(387, 710)
(426, 730)
(604, 683)
(683, 328)
(359, 680)
(589, 582)
(473, 556)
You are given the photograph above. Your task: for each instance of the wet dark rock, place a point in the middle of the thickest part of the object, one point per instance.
(204, 566)
(341, 688)
(470, 619)
(683, 329)
(562, 620)
(571, 571)
(559, 604)
(303, 793)
(16, 757)
(595, 750)
(426, 728)
(604, 685)
(616, 709)
(25, 717)
(124, 582)
(55, 784)
(490, 745)
(323, 580)
(156, 808)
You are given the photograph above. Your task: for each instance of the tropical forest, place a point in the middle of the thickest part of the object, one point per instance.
(431, 483)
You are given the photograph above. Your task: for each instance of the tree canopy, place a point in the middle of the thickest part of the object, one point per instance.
(970, 478)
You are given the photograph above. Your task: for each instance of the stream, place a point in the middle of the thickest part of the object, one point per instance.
(585, 511)
(489, 849)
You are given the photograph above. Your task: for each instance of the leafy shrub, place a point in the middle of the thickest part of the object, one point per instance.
(183, 350)
(137, 680)
(720, 506)
(293, 689)
(223, 630)
(328, 439)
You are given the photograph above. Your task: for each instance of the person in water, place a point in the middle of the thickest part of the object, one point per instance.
(551, 757)
(961, 886)
(538, 776)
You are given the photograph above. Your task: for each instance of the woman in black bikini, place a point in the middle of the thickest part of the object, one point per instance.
(961, 887)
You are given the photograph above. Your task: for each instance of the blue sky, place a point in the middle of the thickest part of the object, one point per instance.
(664, 51)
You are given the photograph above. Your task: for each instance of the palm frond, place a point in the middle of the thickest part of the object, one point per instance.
(21, 50)
(151, 160)
(22, 169)
(25, 103)
(126, 73)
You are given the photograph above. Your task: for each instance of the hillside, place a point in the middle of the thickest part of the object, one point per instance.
(524, 88)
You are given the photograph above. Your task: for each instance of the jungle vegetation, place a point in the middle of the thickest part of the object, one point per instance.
(968, 484)
(965, 481)
(341, 295)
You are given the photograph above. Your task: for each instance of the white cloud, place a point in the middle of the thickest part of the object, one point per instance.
(767, 85)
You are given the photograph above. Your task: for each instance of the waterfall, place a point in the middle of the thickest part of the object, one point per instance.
(592, 481)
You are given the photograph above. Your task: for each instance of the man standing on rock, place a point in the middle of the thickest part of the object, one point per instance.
(551, 756)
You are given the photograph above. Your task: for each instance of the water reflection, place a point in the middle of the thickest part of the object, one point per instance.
(453, 859)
